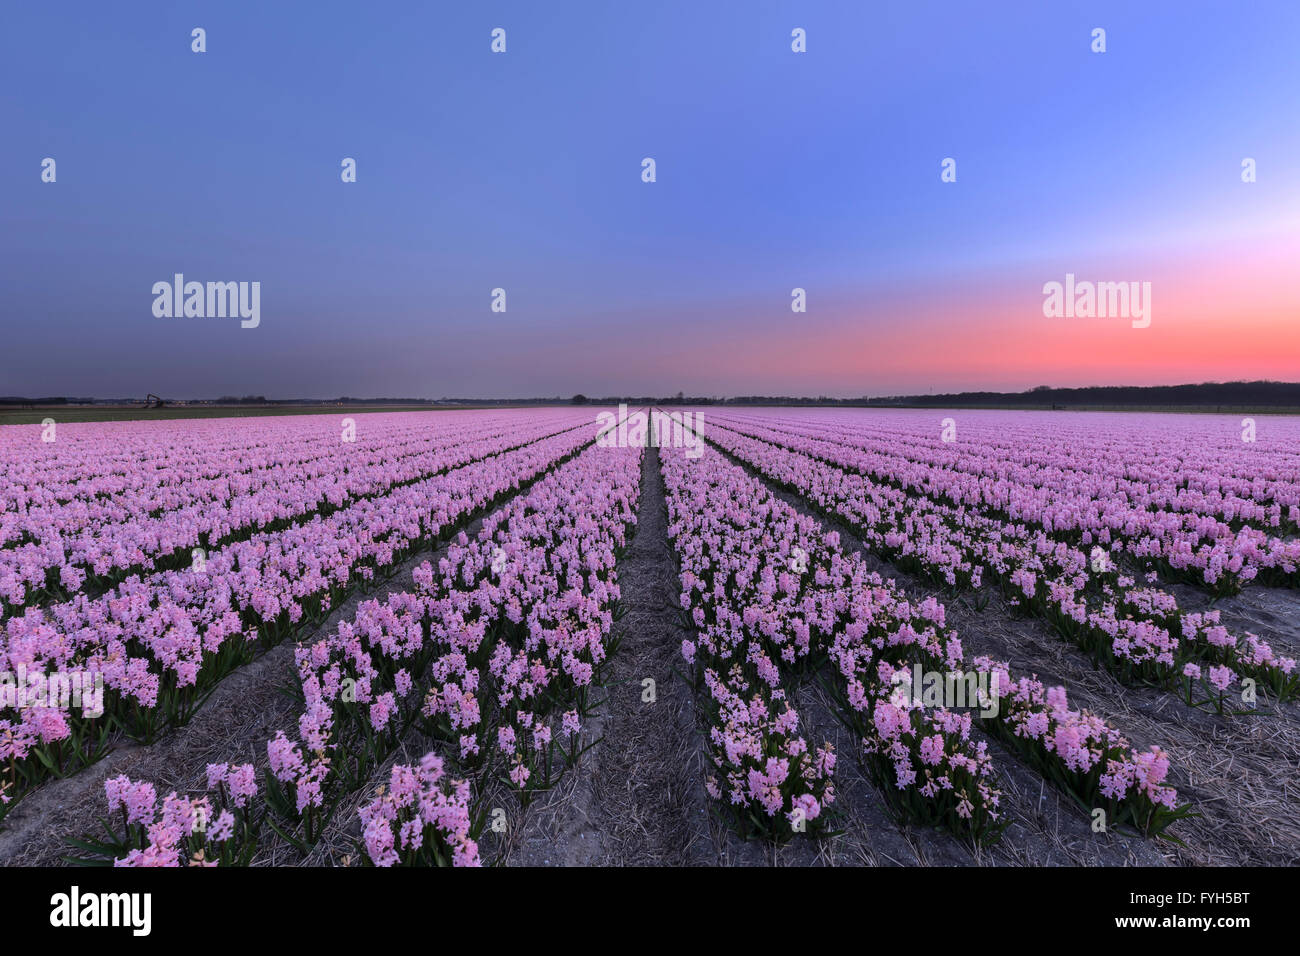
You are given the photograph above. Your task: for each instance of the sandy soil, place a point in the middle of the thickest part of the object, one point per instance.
(639, 797)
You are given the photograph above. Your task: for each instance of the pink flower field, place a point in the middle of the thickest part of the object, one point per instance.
(718, 635)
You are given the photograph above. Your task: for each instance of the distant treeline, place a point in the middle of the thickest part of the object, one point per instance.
(1261, 394)
(1255, 394)
(1265, 394)
(61, 400)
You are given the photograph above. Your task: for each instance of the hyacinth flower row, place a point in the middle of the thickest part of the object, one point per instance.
(180, 831)
(493, 652)
(869, 630)
(770, 594)
(1136, 632)
(538, 580)
(96, 474)
(1188, 465)
(1218, 555)
(1199, 548)
(968, 532)
(428, 810)
(157, 472)
(67, 551)
(85, 483)
(748, 636)
(162, 643)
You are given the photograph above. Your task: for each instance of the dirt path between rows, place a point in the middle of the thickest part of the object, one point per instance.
(638, 796)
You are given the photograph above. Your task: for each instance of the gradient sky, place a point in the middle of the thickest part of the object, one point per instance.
(522, 171)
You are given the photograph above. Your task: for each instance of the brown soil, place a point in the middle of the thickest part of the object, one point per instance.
(638, 797)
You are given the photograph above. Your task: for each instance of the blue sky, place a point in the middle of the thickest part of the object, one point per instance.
(522, 171)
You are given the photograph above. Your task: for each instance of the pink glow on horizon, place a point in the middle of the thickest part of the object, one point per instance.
(1230, 314)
